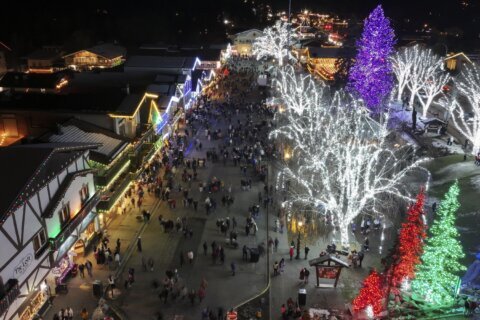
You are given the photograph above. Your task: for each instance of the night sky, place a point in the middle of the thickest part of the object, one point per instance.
(25, 27)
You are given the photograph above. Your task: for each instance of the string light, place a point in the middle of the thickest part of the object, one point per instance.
(370, 77)
(370, 296)
(419, 70)
(467, 122)
(275, 43)
(342, 161)
(435, 280)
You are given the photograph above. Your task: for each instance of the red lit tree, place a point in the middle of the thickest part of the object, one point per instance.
(371, 294)
(410, 243)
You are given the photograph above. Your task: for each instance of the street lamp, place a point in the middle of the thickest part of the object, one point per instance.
(299, 225)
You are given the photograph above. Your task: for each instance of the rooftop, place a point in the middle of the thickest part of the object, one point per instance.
(75, 130)
(39, 164)
(32, 80)
(106, 50)
(89, 102)
(160, 62)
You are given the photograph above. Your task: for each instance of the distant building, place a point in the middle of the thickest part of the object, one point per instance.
(48, 220)
(455, 62)
(320, 60)
(100, 56)
(17, 82)
(243, 41)
(161, 64)
(45, 60)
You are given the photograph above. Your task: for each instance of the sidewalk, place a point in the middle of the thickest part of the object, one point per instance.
(80, 291)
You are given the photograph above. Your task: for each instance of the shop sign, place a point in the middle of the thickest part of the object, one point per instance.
(22, 267)
(208, 65)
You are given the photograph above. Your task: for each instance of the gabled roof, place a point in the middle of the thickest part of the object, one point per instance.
(25, 169)
(75, 130)
(325, 259)
(107, 51)
(260, 32)
(44, 54)
(458, 55)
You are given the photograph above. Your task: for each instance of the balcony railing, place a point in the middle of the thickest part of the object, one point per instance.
(77, 220)
(12, 291)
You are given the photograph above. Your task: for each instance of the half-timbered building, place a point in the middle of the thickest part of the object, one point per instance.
(47, 218)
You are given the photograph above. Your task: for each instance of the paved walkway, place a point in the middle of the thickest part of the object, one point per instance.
(141, 301)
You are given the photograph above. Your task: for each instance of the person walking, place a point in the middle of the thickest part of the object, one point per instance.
(89, 267)
(307, 249)
(276, 242)
(361, 255)
(139, 244)
(233, 267)
(182, 260)
(190, 256)
(205, 247)
(275, 268)
(111, 284)
(81, 268)
(291, 251)
(84, 314)
(307, 274)
(244, 253)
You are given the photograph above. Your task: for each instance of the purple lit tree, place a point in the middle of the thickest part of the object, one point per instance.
(371, 77)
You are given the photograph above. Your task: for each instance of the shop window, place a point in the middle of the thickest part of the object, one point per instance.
(84, 193)
(65, 214)
(39, 242)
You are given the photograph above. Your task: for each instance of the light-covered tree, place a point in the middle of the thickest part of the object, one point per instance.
(342, 162)
(432, 88)
(275, 43)
(426, 66)
(466, 106)
(402, 63)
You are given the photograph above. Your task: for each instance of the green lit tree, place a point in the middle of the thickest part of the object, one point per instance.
(436, 277)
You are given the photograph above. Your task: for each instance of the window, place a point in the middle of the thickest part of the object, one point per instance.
(39, 241)
(84, 193)
(65, 214)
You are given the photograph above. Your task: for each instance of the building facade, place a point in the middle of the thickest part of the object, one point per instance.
(44, 226)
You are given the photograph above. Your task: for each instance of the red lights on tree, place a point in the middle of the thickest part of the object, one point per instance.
(371, 295)
(410, 244)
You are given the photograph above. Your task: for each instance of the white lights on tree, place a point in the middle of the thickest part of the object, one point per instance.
(431, 89)
(402, 62)
(342, 161)
(421, 71)
(275, 43)
(466, 109)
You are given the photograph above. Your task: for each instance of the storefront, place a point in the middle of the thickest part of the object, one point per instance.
(37, 304)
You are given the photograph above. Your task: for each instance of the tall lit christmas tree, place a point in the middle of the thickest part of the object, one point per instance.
(370, 297)
(436, 277)
(371, 75)
(410, 244)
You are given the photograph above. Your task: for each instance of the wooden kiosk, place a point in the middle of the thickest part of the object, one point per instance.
(328, 269)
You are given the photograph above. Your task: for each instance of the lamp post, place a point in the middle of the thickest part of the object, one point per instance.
(299, 224)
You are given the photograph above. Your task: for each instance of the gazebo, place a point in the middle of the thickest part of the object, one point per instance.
(328, 270)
